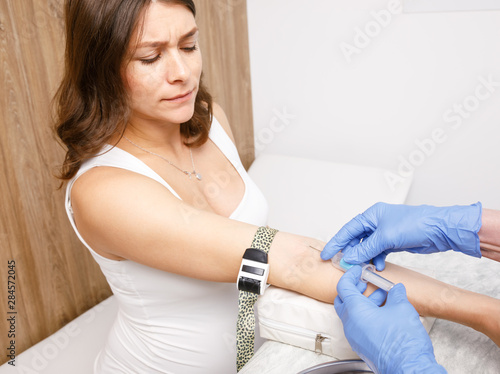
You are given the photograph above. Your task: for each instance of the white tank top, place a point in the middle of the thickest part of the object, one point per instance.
(168, 323)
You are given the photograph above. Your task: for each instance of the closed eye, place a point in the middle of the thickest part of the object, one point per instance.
(190, 49)
(151, 60)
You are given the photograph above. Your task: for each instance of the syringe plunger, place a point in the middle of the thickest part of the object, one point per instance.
(368, 275)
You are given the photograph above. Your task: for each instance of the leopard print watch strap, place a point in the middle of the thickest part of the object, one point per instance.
(245, 328)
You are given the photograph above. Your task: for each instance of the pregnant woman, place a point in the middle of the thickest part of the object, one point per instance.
(157, 193)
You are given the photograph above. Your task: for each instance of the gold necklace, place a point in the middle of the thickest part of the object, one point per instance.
(188, 173)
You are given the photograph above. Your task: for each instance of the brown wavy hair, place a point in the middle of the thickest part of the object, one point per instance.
(91, 102)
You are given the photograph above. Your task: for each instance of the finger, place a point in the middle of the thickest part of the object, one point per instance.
(397, 294)
(357, 240)
(378, 297)
(355, 228)
(365, 251)
(338, 304)
(331, 249)
(379, 261)
(354, 242)
(347, 285)
(362, 286)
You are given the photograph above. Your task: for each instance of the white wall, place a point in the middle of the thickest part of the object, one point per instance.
(449, 5)
(420, 75)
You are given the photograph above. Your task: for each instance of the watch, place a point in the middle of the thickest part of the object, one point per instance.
(254, 271)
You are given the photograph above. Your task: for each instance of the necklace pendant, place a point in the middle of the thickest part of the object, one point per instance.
(189, 174)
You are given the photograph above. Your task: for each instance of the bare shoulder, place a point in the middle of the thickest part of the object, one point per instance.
(110, 202)
(103, 190)
(106, 184)
(222, 118)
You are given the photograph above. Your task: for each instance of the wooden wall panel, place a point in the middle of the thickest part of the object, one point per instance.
(224, 44)
(56, 278)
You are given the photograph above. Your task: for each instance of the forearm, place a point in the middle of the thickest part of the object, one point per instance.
(489, 235)
(301, 269)
(433, 298)
(296, 265)
(437, 299)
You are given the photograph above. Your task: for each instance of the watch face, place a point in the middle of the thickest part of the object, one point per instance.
(253, 270)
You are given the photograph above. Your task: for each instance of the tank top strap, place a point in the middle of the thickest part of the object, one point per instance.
(116, 157)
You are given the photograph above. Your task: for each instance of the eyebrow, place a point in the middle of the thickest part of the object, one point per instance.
(155, 44)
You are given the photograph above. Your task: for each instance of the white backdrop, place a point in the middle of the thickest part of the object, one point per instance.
(361, 82)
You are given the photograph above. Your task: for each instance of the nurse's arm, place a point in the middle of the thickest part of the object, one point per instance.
(489, 235)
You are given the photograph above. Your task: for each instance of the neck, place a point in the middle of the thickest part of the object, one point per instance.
(191, 173)
(157, 138)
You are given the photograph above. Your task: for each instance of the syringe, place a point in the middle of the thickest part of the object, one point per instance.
(367, 275)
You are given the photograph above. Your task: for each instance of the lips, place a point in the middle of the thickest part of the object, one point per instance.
(181, 97)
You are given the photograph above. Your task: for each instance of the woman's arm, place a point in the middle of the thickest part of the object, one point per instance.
(124, 215)
(311, 276)
(489, 235)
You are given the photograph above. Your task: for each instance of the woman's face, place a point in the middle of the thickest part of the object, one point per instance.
(163, 75)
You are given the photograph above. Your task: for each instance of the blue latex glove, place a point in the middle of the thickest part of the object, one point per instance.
(390, 339)
(387, 228)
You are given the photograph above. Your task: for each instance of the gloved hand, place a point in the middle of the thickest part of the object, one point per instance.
(390, 339)
(387, 228)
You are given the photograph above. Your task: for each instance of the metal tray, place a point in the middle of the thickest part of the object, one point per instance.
(339, 367)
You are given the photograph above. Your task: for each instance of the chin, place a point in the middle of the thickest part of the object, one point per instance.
(180, 116)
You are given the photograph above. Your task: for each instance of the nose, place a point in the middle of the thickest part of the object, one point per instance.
(177, 68)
